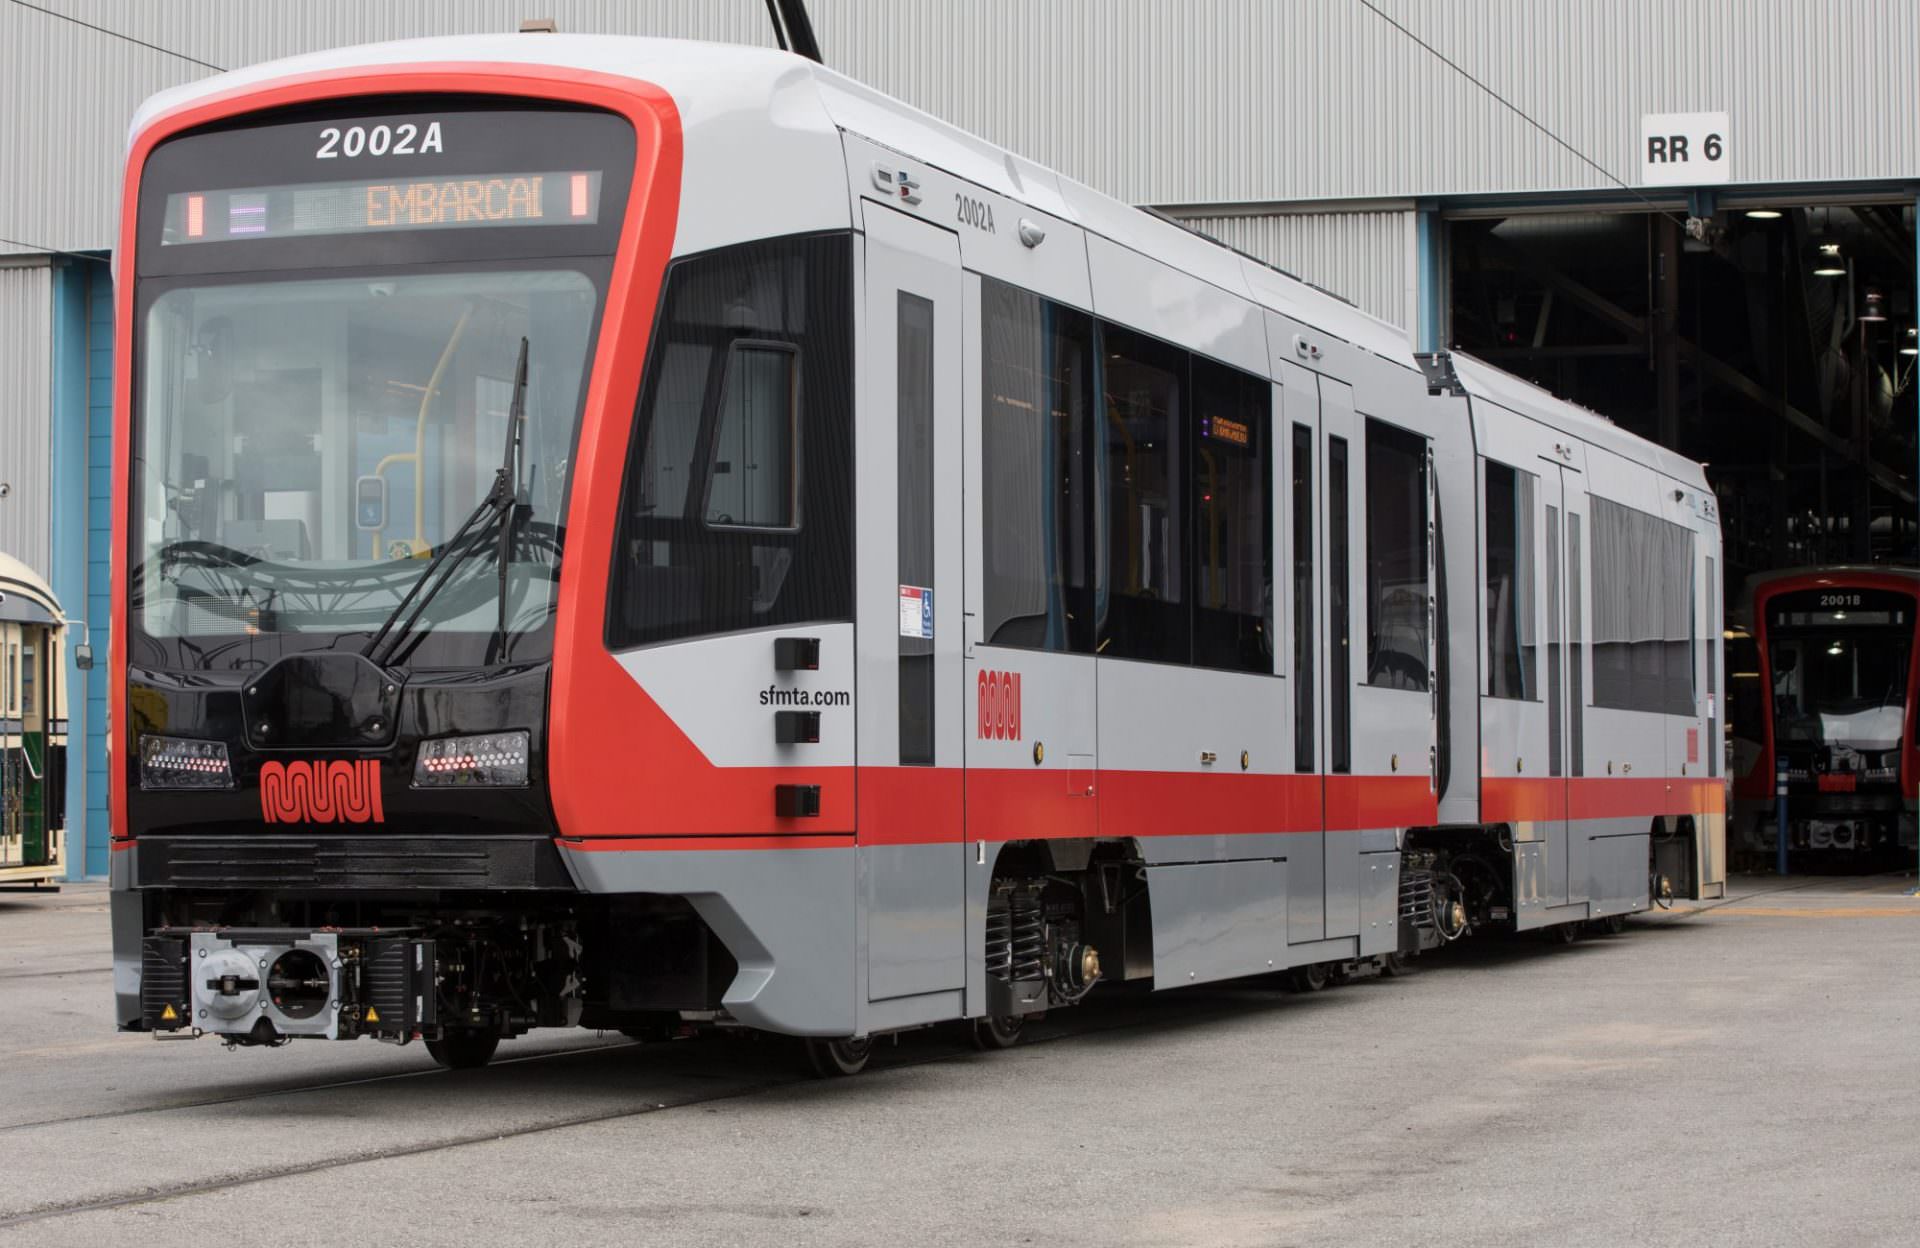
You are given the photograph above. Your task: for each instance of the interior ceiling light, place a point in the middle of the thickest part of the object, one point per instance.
(1912, 346)
(1875, 306)
(1764, 214)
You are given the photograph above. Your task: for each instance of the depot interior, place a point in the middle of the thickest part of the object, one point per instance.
(1773, 341)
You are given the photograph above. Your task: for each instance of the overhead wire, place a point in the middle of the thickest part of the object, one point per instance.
(112, 33)
(1516, 110)
(117, 34)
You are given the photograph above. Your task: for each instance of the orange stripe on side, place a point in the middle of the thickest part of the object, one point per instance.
(1355, 802)
(660, 844)
(1518, 799)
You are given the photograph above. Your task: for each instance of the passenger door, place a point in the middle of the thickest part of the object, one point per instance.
(908, 638)
(1566, 533)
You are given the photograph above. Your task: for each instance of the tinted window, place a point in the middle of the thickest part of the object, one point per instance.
(1145, 401)
(1339, 613)
(744, 421)
(1509, 572)
(913, 407)
(1233, 520)
(1397, 580)
(753, 475)
(1303, 631)
(1642, 611)
(1037, 494)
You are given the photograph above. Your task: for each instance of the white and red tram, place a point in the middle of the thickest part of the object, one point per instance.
(634, 533)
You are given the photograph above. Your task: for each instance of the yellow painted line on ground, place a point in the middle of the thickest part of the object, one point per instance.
(1824, 912)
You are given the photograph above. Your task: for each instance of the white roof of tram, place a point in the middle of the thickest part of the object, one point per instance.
(25, 596)
(725, 92)
(1482, 380)
(762, 155)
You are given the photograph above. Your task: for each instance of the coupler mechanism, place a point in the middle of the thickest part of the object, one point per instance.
(268, 986)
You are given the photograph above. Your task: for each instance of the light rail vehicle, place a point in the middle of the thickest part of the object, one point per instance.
(648, 535)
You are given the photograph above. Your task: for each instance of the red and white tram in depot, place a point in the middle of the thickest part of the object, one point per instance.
(636, 534)
(1822, 692)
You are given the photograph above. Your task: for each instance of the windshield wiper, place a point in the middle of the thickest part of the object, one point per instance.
(503, 501)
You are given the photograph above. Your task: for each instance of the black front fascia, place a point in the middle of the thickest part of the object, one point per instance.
(208, 706)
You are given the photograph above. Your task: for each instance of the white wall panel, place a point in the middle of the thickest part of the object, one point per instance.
(1152, 101)
(26, 366)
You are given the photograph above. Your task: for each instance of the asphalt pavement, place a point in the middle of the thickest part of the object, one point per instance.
(1741, 1072)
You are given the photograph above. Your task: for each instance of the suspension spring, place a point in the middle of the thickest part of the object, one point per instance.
(1029, 938)
(999, 939)
(1416, 899)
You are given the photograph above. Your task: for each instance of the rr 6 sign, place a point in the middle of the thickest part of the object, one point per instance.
(1683, 149)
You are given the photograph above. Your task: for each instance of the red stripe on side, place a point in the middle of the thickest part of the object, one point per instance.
(1518, 799)
(1355, 802)
(912, 805)
(627, 844)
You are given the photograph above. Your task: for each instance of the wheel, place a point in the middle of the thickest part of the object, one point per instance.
(1562, 933)
(831, 1058)
(997, 1033)
(464, 1050)
(1308, 978)
(1394, 964)
(1615, 924)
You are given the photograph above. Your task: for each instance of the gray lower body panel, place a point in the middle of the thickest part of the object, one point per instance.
(786, 915)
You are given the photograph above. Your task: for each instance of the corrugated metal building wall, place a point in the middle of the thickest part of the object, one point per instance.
(1300, 131)
(1366, 257)
(1171, 102)
(26, 305)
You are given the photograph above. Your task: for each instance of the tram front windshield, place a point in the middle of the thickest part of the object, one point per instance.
(331, 308)
(305, 446)
(1840, 676)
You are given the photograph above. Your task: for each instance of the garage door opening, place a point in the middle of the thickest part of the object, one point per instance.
(1778, 346)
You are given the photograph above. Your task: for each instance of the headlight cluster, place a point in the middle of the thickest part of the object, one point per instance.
(492, 760)
(183, 763)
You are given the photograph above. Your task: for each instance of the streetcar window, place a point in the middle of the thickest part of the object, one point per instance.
(1509, 589)
(735, 510)
(1339, 612)
(753, 474)
(1397, 588)
(1576, 659)
(1233, 520)
(26, 680)
(1145, 400)
(1037, 460)
(913, 388)
(1642, 611)
(1303, 631)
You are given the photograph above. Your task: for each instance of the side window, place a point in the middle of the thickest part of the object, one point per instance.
(1037, 497)
(1642, 611)
(1233, 519)
(753, 475)
(1397, 580)
(1144, 401)
(1303, 632)
(735, 510)
(26, 680)
(1339, 612)
(913, 345)
(1509, 590)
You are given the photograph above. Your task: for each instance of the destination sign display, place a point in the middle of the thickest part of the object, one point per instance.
(308, 209)
(1224, 429)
